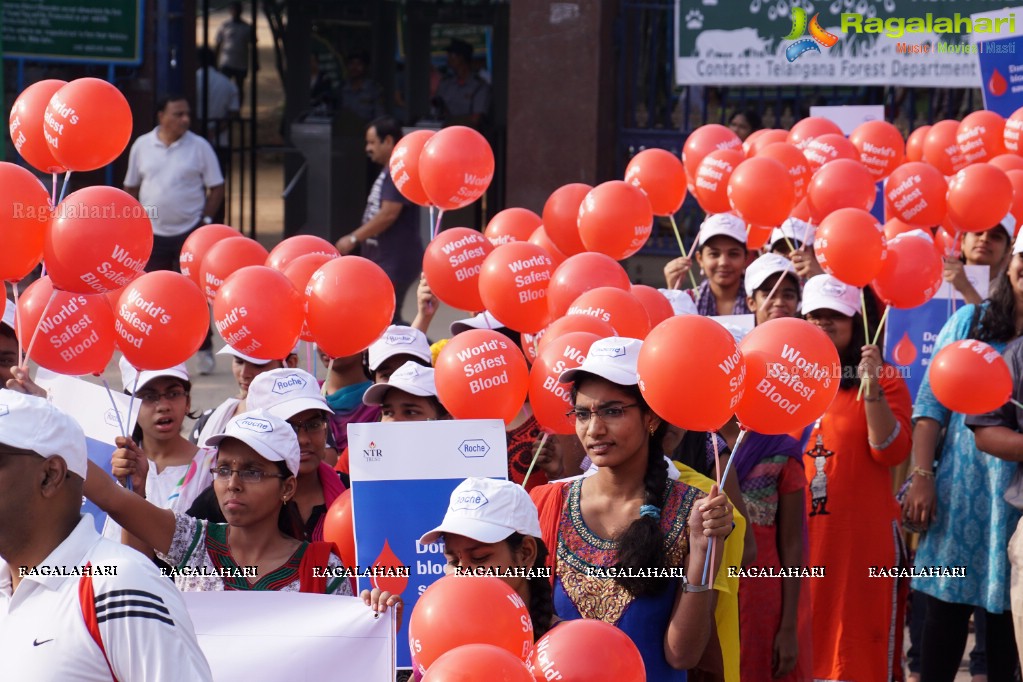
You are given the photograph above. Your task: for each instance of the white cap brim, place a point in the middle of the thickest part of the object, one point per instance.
(482, 321)
(474, 529)
(615, 375)
(290, 408)
(227, 350)
(8, 318)
(813, 305)
(374, 395)
(254, 442)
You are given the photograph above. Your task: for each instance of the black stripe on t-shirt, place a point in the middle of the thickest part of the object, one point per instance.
(134, 614)
(128, 593)
(110, 605)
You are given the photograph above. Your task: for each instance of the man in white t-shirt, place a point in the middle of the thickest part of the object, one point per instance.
(75, 606)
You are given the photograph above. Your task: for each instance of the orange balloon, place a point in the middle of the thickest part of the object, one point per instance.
(941, 149)
(981, 136)
(880, 146)
(580, 273)
(161, 320)
(561, 217)
(456, 167)
(197, 244)
(226, 257)
(945, 243)
(574, 323)
(615, 219)
(970, 377)
(259, 312)
(714, 364)
(762, 139)
(850, 245)
(99, 239)
(528, 343)
(916, 194)
(915, 144)
(979, 196)
(87, 124)
(657, 306)
(704, 140)
(824, 148)
(894, 227)
(802, 210)
(792, 375)
(26, 125)
(550, 399)
(711, 183)
(620, 309)
(404, 166)
(757, 236)
(1007, 162)
(795, 163)
(912, 272)
(452, 264)
(512, 225)
(842, 183)
(513, 285)
(472, 662)
(349, 304)
(339, 527)
(1016, 178)
(75, 332)
(299, 245)
(542, 239)
(24, 218)
(587, 649)
(481, 374)
(299, 272)
(1013, 128)
(661, 176)
(761, 191)
(809, 128)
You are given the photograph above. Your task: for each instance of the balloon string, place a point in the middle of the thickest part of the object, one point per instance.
(431, 208)
(117, 412)
(792, 247)
(1016, 403)
(682, 249)
(806, 236)
(767, 300)
(877, 337)
(436, 225)
(17, 322)
(63, 189)
(536, 455)
(131, 401)
(330, 368)
(863, 314)
(53, 190)
(722, 477)
(35, 333)
(309, 358)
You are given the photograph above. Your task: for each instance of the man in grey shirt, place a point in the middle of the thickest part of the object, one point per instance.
(462, 97)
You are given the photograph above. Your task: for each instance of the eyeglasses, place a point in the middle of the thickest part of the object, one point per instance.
(314, 425)
(152, 397)
(246, 475)
(605, 413)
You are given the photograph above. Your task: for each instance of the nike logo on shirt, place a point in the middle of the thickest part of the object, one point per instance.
(36, 642)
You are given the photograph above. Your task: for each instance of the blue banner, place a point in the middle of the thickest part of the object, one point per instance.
(1001, 72)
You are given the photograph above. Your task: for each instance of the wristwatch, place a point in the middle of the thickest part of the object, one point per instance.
(689, 587)
(206, 220)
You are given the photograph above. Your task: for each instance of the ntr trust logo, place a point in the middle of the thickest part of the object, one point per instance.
(803, 45)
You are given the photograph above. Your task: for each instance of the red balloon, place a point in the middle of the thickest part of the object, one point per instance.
(1016, 178)
(452, 264)
(620, 309)
(161, 320)
(760, 140)
(473, 662)
(225, 258)
(574, 323)
(704, 140)
(944, 243)
(661, 176)
(711, 183)
(529, 343)
(941, 149)
(197, 244)
(979, 196)
(794, 162)
(809, 128)
(299, 272)
(26, 125)
(339, 527)
(550, 399)
(481, 374)
(87, 124)
(1013, 128)
(828, 147)
(893, 227)
(792, 375)
(981, 136)
(970, 377)
(561, 217)
(513, 285)
(404, 166)
(757, 236)
(916, 193)
(843, 183)
(714, 364)
(99, 239)
(24, 217)
(75, 332)
(541, 239)
(587, 649)
(299, 245)
(456, 167)
(615, 219)
(880, 146)
(657, 306)
(761, 191)
(580, 273)
(259, 312)
(915, 144)
(349, 304)
(512, 225)
(850, 245)
(1007, 162)
(912, 272)
(802, 210)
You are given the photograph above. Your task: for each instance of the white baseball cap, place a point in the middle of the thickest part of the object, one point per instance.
(796, 230)
(824, 292)
(615, 358)
(129, 375)
(399, 340)
(28, 422)
(228, 350)
(1008, 222)
(723, 224)
(270, 436)
(411, 377)
(8, 318)
(482, 321)
(681, 302)
(487, 510)
(760, 270)
(1017, 247)
(284, 392)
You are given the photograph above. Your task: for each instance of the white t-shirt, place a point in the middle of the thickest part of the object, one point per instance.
(146, 631)
(223, 102)
(173, 180)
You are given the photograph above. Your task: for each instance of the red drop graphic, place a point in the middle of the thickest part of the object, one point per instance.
(996, 85)
(388, 559)
(905, 351)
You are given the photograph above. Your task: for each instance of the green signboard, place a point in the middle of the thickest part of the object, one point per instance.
(107, 32)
